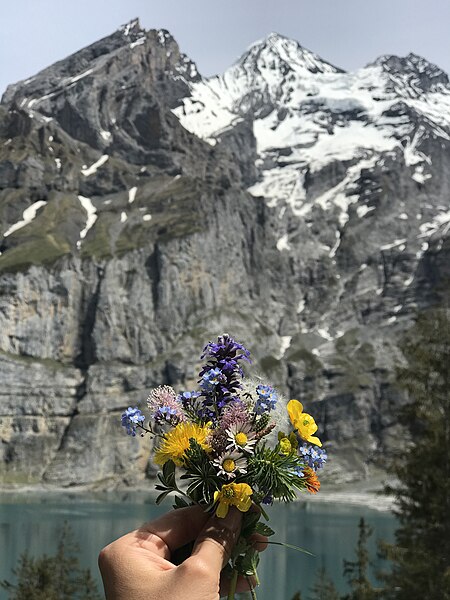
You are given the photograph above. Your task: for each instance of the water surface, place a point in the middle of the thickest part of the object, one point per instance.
(33, 522)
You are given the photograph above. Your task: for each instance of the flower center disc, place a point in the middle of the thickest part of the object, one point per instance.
(228, 465)
(241, 439)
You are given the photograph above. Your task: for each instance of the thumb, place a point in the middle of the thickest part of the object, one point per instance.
(217, 539)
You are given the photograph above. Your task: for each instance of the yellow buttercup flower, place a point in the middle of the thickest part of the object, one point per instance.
(233, 494)
(176, 442)
(303, 423)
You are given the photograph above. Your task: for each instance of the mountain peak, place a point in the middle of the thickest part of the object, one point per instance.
(289, 51)
(131, 27)
(418, 71)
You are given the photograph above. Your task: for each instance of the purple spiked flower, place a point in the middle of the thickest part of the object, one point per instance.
(219, 377)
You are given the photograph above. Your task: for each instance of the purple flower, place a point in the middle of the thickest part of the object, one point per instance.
(220, 376)
(131, 419)
(225, 349)
(165, 406)
(235, 412)
(268, 499)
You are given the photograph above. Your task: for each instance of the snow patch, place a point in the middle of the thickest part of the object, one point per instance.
(87, 171)
(362, 211)
(27, 216)
(77, 77)
(123, 217)
(138, 42)
(146, 217)
(394, 244)
(285, 343)
(132, 195)
(420, 176)
(441, 220)
(129, 27)
(91, 211)
(325, 334)
(283, 243)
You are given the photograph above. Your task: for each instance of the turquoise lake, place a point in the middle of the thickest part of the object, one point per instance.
(328, 530)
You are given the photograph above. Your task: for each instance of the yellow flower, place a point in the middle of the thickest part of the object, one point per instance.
(285, 446)
(287, 442)
(303, 423)
(233, 494)
(176, 442)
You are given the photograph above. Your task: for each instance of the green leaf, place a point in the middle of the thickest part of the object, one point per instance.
(180, 502)
(161, 497)
(264, 529)
(249, 523)
(246, 565)
(292, 547)
(169, 473)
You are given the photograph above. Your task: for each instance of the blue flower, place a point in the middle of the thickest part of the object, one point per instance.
(211, 379)
(166, 414)
(188, 396)
(131, 418)
(313, 456)
(268, 499)
(194, 406)
(267, 399)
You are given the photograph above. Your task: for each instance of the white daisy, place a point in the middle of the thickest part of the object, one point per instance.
(241, 437)
(231, 463)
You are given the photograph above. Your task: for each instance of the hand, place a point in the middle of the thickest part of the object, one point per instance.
(138, 565)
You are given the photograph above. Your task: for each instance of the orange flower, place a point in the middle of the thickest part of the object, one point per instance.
(311, 480)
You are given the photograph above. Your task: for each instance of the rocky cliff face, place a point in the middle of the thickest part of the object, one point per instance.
(144, 210)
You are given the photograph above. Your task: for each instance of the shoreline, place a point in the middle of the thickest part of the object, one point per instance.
(364, 493)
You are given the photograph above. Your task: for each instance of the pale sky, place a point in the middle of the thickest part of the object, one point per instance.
(213, 33)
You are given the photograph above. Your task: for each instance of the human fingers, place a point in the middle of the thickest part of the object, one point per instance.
(259, 542)
(215, 542)
(170, 531)
(244, 584)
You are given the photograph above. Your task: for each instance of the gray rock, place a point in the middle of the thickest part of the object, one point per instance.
(96, 312)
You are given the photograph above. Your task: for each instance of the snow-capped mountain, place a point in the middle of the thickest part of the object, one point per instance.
(145, 209)
(307, 114)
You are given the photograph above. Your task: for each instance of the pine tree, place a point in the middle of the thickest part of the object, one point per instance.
(56, 577)
(421, 553)
(357, 572)
(323, 588)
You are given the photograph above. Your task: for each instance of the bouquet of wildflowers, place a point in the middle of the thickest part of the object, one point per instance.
(224, 441)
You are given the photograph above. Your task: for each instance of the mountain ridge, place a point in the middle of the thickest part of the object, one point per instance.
(145, 209)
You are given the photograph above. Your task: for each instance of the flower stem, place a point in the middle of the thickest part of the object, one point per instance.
(233, 584)
(252, 589)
